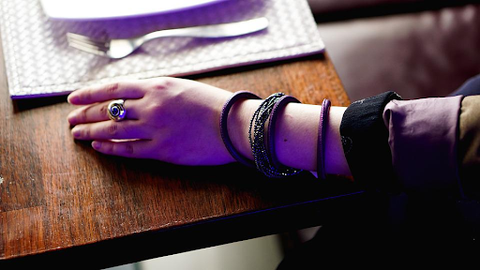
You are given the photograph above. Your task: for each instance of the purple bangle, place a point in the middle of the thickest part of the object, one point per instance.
(281, 103)
(224, 130)
(322, 131)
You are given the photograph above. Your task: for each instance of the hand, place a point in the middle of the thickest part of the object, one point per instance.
(172, 120)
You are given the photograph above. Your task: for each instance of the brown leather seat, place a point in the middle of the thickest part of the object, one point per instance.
(416, 52)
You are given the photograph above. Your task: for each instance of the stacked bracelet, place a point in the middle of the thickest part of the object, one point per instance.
(281, 103)
(224, 130)
(322, 131)
(263, 157)
(262, 139)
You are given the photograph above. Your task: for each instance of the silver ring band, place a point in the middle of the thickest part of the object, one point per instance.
(116, 110)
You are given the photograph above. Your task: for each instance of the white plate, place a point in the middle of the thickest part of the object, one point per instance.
(106, 9)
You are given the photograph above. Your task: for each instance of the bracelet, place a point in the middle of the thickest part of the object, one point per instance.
(271, 128)
(224, 130)
(322, 131)
(256, 137)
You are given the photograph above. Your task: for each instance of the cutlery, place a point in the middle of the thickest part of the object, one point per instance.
(119, 48)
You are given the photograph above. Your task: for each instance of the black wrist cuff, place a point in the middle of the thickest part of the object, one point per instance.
(365, 143)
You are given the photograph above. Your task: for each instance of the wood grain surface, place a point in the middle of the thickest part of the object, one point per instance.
(62, 201)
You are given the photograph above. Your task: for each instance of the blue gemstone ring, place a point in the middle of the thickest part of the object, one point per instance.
(116, 111)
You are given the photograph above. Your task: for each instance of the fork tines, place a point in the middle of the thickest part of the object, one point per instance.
(87, 44)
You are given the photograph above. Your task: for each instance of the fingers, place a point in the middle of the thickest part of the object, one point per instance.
(107, 130)
(131, 149)
(98, 112)
(123, 90)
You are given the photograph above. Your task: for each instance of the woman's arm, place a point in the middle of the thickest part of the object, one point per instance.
(177, 121)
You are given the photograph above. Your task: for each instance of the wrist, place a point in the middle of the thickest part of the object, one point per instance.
(296, 134)
(238, 125)
(296, 138)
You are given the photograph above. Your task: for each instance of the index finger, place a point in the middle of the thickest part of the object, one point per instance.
(99, 93)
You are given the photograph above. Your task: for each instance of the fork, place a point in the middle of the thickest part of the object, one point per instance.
(119, 48)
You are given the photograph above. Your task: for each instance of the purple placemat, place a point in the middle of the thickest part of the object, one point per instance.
(39, 61)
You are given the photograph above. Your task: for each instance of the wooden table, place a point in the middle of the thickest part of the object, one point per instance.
(61, 201)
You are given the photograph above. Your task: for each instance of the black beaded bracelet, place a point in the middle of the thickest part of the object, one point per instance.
(256, 136)
(224, 130)
(281, 103)
(322, 129)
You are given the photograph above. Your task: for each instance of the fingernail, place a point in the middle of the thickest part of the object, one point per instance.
(96, 145)
(71, 119)
(72, 99)
(76, 132)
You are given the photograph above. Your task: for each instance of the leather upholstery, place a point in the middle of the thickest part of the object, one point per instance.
(416, 54)
(325, 6)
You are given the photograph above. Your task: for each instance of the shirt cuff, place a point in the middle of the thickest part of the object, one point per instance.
(423, 143)
(365, 143)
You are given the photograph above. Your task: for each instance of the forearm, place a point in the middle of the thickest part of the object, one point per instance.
(296, 135)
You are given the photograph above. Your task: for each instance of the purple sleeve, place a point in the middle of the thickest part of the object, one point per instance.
(423, 140)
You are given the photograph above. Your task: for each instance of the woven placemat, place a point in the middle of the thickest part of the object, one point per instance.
(39, 61)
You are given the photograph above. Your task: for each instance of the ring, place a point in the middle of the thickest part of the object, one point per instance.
(116, 110)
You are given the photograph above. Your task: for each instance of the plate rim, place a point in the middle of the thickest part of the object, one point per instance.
(52, 12)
